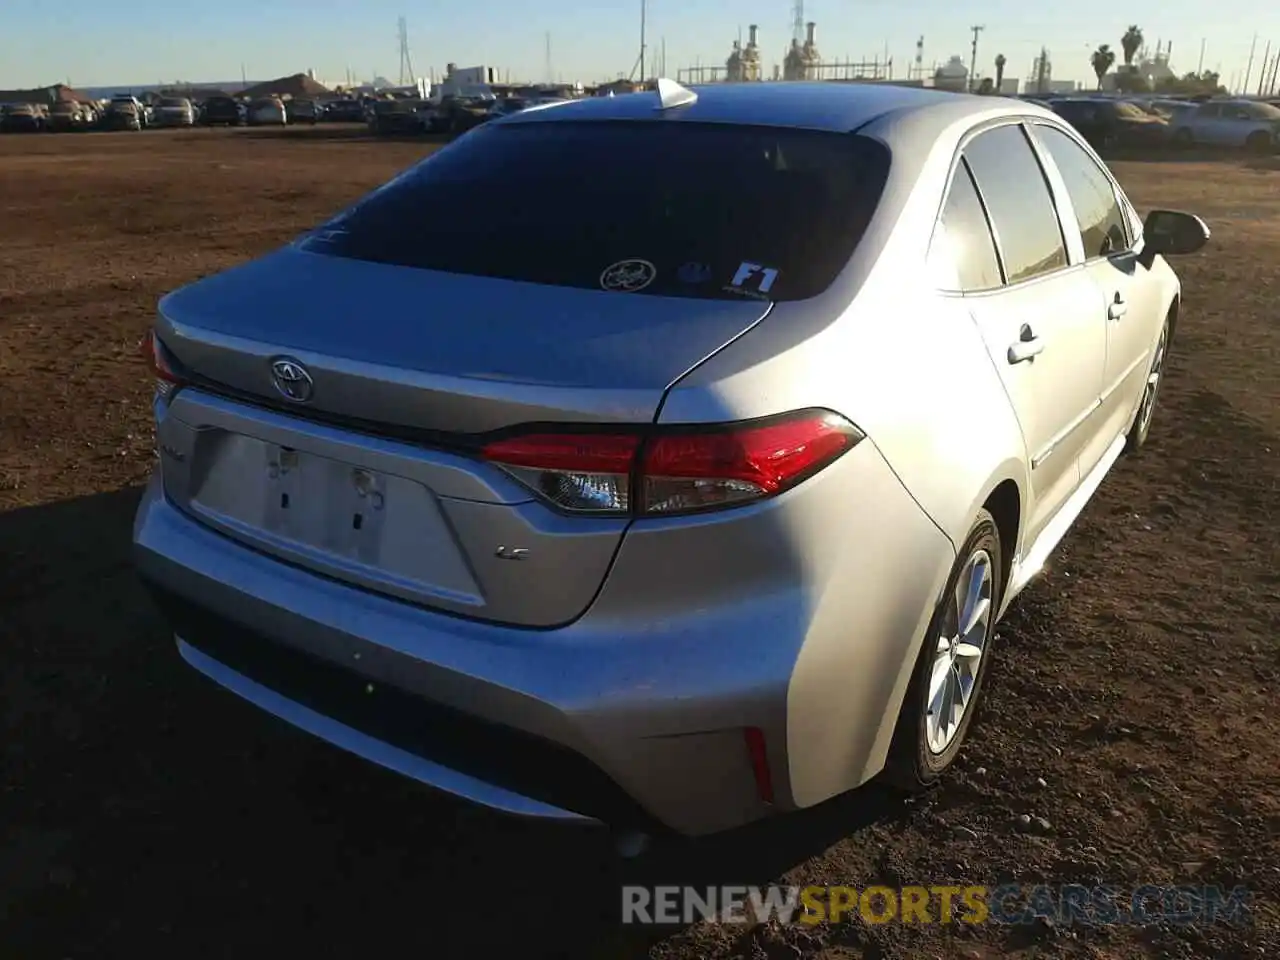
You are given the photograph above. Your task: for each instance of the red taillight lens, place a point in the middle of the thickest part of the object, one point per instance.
(157, 359)
(697, 470)
(675, 470)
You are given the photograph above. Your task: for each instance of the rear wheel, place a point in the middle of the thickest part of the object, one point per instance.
(944, 690)
(1258, 142)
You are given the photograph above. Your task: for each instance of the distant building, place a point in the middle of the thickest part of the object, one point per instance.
(952, 75)
(46, 95)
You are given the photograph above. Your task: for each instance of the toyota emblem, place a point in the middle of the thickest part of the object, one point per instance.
(292, 380)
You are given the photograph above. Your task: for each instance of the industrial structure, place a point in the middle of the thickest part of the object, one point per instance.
(952, 75)
(743, 64)
(801, 62)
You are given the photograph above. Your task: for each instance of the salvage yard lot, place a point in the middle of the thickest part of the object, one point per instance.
(1132, 702)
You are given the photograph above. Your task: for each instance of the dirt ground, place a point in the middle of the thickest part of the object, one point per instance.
(1133, 704)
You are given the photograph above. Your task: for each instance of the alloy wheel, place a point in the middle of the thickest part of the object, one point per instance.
(1152, 387)
(959, 646)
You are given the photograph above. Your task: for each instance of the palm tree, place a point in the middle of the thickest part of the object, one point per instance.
(1000, 62)
(1102, 60)
(1130, 43)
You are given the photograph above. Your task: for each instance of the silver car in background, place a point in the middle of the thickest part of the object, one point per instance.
(673, 497)
(174, 112)
(1228, 123)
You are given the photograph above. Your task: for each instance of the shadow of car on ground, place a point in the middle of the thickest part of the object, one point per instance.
(162, 811)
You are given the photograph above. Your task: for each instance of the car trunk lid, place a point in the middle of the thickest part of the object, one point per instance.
(440, 352)
(373, 480)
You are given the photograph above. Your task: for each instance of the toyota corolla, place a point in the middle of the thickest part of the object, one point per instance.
(663, 460)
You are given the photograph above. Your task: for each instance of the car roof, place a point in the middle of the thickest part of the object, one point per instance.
(832, 106)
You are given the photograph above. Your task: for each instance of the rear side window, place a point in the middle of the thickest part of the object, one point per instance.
(962, 255)
(1021, 209)
(1097, 210)
(670, 208)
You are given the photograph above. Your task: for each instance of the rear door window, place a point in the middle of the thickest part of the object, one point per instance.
(698, 210)
(1018, 201)
(962, 254)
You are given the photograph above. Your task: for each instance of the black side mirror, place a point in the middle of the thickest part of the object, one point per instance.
(1169, 232)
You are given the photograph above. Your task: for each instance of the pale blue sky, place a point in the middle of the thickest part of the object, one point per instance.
(92, 43)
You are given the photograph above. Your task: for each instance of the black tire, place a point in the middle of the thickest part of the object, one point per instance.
(1258, 142)
(912, 764)
(1140, 429)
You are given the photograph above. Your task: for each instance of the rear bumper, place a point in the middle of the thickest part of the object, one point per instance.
(633, 714)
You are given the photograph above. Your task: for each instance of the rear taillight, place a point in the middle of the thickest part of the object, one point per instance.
(157, 357)
(671, 470)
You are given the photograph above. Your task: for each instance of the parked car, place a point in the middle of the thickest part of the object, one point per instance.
(1229, 123)
(304, 111)
(343, 111)
(67, 116)
(175, 112)
(505, 106)
(1108, 123)
(397, 117)
(687, 519)
(221, 112)
(1168, 107)
(122, 104)
(123, 115)
(458, 115)
(21, 118)
(267, 111)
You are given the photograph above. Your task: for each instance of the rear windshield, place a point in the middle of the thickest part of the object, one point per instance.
(173, 103)
(1263, 111)
(698, 210)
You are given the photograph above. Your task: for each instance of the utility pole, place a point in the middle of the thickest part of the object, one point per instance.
(1200, 65)
(644, 10)
(1248, 70)
(973, 59)
(1266, 63)
(406, 62)
(549, 72)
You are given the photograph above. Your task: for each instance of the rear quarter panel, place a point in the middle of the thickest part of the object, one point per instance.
(903, 362)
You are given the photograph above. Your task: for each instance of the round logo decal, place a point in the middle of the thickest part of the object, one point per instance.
(628, 276)
(292, 380)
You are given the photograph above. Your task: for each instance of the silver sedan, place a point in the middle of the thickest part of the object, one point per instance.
(683, 489)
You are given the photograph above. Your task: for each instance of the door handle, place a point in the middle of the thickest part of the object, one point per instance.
(1025, 350)
(1117, 309)
(1028, 347)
